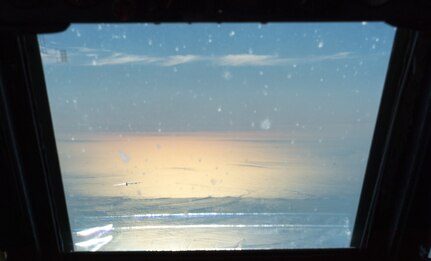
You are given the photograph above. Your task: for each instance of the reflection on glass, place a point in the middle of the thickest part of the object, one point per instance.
(206, 136)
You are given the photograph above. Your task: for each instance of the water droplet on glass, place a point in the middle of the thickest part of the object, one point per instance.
(265, 124)
(227, 75)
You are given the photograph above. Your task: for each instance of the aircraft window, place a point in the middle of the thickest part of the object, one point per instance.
(214, 136)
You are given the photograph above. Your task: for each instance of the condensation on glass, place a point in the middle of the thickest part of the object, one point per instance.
(214, 136)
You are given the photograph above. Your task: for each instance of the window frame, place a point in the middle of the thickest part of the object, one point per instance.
(27, 126)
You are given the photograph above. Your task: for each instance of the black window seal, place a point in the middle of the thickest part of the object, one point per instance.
(402, 53)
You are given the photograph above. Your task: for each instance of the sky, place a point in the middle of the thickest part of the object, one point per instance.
(295, 77)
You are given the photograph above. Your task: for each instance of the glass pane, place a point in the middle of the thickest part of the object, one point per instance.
(214, 136)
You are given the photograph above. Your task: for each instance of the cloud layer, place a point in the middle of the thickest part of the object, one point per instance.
(93, 57)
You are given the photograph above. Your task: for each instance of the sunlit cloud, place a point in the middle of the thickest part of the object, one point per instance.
(88, 50)
(323, 58)
(180, 59)
(247, 60)
(273, 60)
(121, 58)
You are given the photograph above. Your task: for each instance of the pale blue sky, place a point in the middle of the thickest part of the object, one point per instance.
(216, 77)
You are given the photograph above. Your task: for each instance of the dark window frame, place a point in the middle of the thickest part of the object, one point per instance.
(35, 177)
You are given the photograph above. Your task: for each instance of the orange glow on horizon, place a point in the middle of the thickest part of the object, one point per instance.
(183, 165)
